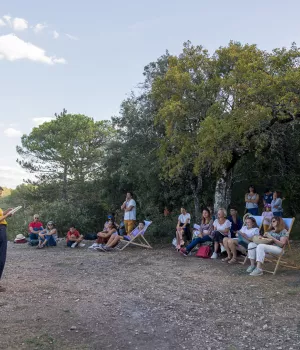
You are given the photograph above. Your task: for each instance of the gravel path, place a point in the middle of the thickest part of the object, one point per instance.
(61, 298)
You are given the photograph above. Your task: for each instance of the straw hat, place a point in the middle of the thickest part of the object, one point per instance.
(20, 237)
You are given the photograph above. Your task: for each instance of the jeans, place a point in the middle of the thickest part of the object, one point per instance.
(253, 211)
(278, 213)
(50, 240)
(258, 252)
(3, 248)
(198, 240)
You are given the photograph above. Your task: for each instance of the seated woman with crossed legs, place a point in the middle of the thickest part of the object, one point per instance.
(245, 233)
(279, 236)
(205, 231)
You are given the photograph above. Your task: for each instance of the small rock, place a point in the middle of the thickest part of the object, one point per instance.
(73, 328)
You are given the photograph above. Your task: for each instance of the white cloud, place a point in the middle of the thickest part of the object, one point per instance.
(41, 120)
(12, 176)
(55, 34)
(11, 132)
(39, 27)
(2, 23)
(19, 24)
(71, 37)
(13, 48)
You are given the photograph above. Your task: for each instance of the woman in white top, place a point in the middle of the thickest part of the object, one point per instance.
(221, 230)
(245, 234)
(183, 227)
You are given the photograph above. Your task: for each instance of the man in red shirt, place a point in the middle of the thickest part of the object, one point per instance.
(74, 238)
(34, 228)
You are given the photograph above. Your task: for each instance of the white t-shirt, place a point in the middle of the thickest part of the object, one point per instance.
(224, 226)
(130, 215)
(250, 232)
(182, 218)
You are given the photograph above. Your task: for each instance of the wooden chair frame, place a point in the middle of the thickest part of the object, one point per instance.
(139, 239)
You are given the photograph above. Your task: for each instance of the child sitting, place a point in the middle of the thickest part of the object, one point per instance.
(267, 217)
(74, 238)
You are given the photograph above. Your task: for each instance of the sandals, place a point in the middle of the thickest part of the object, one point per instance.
(232, 261)
(226, 259)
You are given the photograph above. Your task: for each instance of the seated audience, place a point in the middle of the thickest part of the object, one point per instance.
(251, 200)
(115, 238)
(221, 229)
(244, 237)
(104, 235)
(47, 236)
(204, 235)
(279, 236)
(74, 238)
(34, 228)
(236, 222)
(183, 228)
(267, 217)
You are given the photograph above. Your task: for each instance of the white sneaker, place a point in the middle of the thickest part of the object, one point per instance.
(257, 272)
(94, 245)
(214, 256)
(81, 245)
(223, 249)
(250, 269)
(74, 245)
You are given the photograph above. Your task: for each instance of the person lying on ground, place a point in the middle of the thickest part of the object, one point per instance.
(115, 238)
(33, 230)
(46, 236)
(74, 238)
(221, 229)
(183, 228)
(104, 235)
(279, 237)
(205, 231)
(244, 238)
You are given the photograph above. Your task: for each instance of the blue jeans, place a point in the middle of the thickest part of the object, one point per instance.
(50, 240)
(198, 240)
(253, 211)
(278, 213)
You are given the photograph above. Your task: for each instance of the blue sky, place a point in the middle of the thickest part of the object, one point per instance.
(86, 56)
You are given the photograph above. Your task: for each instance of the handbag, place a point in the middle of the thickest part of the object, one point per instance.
(203, 252)
(261, 240)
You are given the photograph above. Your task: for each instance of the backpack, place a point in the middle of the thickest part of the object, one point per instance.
(203, 252)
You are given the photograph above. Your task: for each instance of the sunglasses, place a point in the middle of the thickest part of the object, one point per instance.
(36, 218)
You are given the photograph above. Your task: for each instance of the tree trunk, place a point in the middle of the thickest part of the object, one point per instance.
(196, 186)
(223, 190)
(65, 184)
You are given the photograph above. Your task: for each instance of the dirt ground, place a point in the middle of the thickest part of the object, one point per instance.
(62, 298)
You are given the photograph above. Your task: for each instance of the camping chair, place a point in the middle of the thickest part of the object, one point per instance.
(289, 222)
(137, 237)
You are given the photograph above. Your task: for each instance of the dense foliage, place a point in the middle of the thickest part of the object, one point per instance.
(202, 128)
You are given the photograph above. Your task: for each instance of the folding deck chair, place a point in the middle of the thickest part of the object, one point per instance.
(277, 259)
(137, 237)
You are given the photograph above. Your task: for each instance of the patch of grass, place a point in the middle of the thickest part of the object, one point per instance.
(42, 342)
(293, 292)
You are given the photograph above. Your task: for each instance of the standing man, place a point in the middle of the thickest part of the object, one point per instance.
(129, 207)
(3, 238)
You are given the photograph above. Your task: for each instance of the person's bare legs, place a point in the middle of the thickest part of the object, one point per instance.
(232, 243)
(226, 246)
(113, 241)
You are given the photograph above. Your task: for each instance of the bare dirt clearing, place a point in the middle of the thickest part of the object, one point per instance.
(61, 298)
